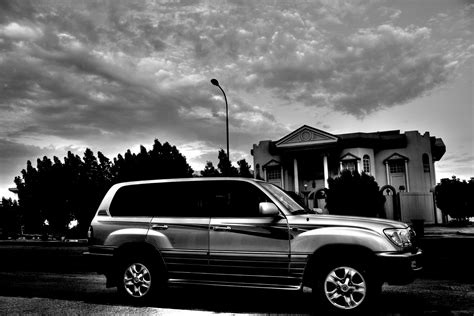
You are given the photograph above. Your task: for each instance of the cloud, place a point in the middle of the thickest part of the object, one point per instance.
(81, 82)
(16, 31)
(114, 73)
(114, 52)
(367, 71)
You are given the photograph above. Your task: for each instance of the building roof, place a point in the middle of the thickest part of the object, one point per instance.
(310, 138)
(307, 136)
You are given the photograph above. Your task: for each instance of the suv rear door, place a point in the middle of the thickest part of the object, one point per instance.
(246, 247)
(180, 229)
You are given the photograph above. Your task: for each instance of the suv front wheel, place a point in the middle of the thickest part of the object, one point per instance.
(345, 287)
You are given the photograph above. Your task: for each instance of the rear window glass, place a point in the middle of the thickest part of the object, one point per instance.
(173, 199)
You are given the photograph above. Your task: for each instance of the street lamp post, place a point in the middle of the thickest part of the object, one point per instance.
(216, 83)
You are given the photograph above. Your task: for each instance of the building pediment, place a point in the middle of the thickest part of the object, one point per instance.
(271, 163)
(395, 156)
(349, 156)
(306, 136)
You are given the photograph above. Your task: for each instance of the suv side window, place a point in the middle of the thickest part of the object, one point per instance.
(179, 199)
(233, 199)
(132, 201)
(173, 199)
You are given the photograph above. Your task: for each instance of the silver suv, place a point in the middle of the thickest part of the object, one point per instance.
(237, 232)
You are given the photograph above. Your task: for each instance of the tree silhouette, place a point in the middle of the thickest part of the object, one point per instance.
(9, 218)
(225, 166)
(28, 186)
(456, 198)
(210, 170)
(244, 169)
(355, 194)
(60, 192)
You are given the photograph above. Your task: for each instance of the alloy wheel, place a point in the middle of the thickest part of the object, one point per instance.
(137, 280)
(345, 288)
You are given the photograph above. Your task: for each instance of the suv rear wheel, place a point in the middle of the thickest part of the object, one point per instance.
(137, 279)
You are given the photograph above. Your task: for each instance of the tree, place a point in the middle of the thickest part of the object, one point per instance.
(210, 170)
(356, 194)
(225, 166)
(244, 169)
(27, 186)
(456, 198)
(60, 192)
(9, 218)
(91, 188)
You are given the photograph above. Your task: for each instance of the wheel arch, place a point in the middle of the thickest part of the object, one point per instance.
(332, 253)
(135, 249)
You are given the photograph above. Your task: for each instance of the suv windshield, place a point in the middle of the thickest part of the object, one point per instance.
(290, 204)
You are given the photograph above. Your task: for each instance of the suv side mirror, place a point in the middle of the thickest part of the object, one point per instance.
(268, 209)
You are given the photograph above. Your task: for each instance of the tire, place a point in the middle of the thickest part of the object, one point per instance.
(137, 279)
(346, 287)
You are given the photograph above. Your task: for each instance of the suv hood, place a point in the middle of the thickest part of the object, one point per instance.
(310, 221)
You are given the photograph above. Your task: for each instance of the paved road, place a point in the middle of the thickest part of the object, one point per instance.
(85, 293)
(52, 278)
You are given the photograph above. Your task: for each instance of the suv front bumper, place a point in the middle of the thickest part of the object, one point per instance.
(399, 268)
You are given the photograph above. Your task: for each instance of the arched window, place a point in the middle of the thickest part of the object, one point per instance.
(366, 162)
(426, 163)
(349, 162)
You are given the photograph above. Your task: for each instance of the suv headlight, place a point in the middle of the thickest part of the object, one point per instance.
(402, 237)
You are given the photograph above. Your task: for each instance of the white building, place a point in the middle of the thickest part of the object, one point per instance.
(402, 164)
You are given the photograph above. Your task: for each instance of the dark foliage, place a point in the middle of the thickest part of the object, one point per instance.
(355, 194)
(225, 168)
(59, 192)
(244, 169)
(456, 198)
(210, 170)
(9, 218)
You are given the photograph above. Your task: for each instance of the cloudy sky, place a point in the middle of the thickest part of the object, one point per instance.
(111, 75)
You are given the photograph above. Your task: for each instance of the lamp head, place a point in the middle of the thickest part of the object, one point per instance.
(215, 82)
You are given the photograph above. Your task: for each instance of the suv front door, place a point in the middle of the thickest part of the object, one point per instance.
(244, 246)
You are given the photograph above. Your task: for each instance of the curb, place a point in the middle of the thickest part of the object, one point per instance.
(66, 243)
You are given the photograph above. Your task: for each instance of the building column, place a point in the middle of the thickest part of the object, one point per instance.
(387, 173)
(265, 174)
(326, 171)
(282, 178)
(295, 175)
(406, 176)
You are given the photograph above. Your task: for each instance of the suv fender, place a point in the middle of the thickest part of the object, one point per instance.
(126, 236)
(311, 241)
(335, 252)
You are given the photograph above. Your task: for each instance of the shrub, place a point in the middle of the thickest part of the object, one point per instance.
(355, 194)
(456, 198)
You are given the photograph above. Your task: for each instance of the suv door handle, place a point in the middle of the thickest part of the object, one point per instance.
(159, 227)
(221, 228)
